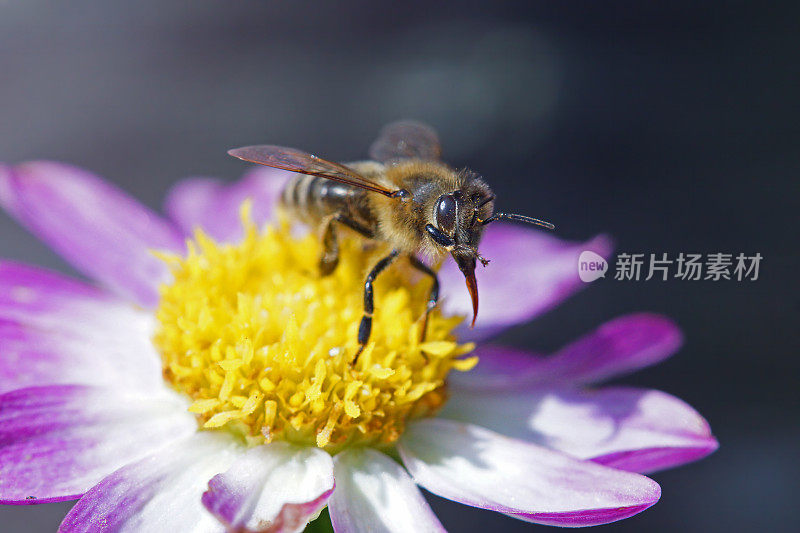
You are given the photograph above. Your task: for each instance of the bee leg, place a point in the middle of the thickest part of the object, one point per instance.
(365, 328)
(330, 245)
(433, 296)
(330, 242)
(355, 226)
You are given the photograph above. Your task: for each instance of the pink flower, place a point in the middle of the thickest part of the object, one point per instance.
(86, 413)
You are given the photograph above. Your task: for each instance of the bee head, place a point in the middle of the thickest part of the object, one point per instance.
(457, 228)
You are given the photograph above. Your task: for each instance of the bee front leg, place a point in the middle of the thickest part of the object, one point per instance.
(433, 295)
(365, 328)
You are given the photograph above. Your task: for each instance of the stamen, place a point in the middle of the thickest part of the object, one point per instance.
(263, 345)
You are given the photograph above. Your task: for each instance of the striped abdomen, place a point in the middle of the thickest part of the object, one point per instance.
(312, 199)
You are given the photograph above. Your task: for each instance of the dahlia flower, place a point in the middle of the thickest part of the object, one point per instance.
(203, 380)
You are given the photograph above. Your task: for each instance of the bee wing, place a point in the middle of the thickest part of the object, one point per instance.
(304, 163)
(406, 139)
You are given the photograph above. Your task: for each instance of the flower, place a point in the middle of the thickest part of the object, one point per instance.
(212, 389)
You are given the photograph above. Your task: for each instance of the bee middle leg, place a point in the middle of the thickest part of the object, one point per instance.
(365, 328)
(433, 295)
(329, 259)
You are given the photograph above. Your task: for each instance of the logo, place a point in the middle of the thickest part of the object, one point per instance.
(591, 266)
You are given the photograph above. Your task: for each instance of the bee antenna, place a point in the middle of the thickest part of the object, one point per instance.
(518, 218)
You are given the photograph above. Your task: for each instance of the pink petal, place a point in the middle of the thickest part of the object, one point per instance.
(215, 206)
(29, 292)
(93, 225)
(481, 468)
(189, 200)
(6, 190)
(57, 442)
(632, 429)
(530, 272)
(618, 347)
(498, 368)
(32, 356)
(158, 493)
(276, 487)
(373, 493)
(57, 330)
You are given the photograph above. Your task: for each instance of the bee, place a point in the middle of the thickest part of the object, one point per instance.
(404, 196)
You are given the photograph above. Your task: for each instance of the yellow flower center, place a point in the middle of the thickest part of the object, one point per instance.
(264, 345)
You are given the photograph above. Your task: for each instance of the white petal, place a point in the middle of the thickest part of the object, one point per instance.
(478, 467)
(115, 351)
(158, 494)
(373, 493)
(56, 442)
(277, 486)
(56, 330)
(633, 429)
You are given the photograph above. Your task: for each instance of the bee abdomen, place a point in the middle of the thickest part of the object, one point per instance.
(295, 194)
(311, 198)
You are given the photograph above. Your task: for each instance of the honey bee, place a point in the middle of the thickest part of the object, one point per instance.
(404, 196)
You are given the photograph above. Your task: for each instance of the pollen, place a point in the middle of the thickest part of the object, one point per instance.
(264, 345)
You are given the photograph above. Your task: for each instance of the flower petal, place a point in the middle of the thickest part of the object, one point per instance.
(498, 368)
(57, 330)
(214, 205)
(277, 487)
(96, 227)
(158, 493)
(189, 202)
(478, 467)
(618, 347)
(32, 356)
(28, 292)
(373, 493)
(523, 262)
(632, 429)
(6, 192)
(56, 442)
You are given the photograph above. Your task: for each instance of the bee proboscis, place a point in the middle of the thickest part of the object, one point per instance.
(404, 196)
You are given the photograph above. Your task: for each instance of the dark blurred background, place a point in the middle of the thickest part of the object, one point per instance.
(672, 127)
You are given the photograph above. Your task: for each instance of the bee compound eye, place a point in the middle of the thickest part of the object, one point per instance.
(446, 213)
